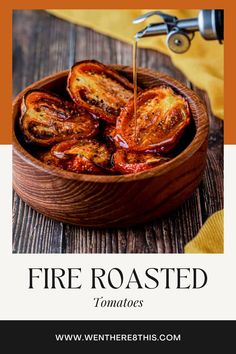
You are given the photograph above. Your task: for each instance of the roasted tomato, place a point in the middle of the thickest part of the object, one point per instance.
(51, 160)
(132, 162)
(98, 89)
(161, 119)
(47, 119)
(83, 155)
(109, 133)
(55, 156)
(59, 149)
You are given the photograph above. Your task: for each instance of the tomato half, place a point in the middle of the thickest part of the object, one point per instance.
(133, 162)
(99, 89)
(47, 119)
(161, 119)
(83, 155)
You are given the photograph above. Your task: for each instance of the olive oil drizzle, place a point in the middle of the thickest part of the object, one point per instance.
(135, 47)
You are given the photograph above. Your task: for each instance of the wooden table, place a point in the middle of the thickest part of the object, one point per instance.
(43, 44)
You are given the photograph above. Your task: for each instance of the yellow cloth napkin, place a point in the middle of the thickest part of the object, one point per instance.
(202, 64)
(210, 237)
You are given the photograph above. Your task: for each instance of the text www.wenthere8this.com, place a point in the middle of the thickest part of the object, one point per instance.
(118, 337)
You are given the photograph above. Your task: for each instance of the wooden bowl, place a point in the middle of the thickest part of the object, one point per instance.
(120, 200)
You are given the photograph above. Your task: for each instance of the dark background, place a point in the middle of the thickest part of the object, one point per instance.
(42, 45)
(218, 335)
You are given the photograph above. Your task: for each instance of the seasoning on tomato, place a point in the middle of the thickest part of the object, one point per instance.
(47, 119)
(99, 89)
(83, 156)
(161, 118)
(133, 162)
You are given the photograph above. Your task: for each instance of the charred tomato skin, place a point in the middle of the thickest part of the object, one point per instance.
(132, 162)
(99, 89)
(82, 156)
(47, 119)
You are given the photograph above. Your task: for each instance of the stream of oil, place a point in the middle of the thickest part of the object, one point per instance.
(135, 83)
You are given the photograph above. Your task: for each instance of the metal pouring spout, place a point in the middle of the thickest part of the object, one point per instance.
(180, 32)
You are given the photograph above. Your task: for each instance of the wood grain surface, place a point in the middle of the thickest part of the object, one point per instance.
(43, 44)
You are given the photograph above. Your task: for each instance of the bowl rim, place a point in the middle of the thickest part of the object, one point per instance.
(194, 145)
